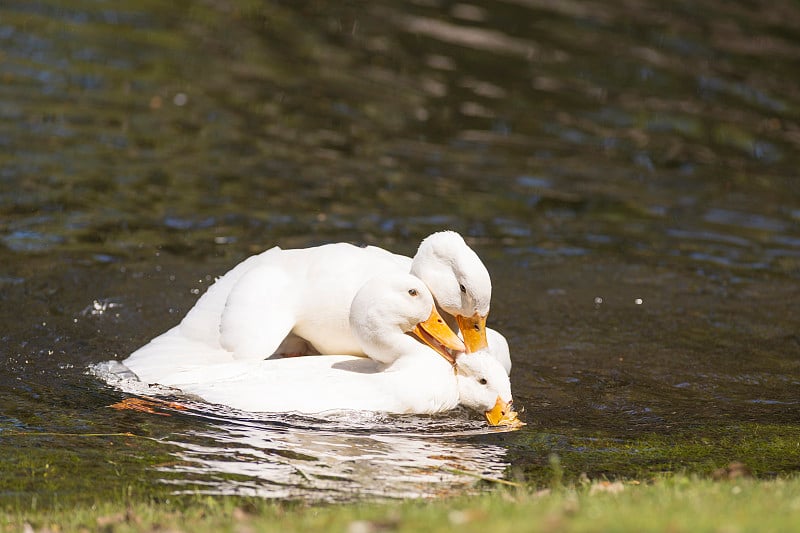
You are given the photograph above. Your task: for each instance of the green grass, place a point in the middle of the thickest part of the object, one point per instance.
(769, 450)
(672, 504)
(112, 482)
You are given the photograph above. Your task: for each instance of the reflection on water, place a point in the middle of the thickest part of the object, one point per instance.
(318, 464)
(338, 456)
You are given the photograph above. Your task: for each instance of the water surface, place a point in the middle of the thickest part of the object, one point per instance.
(627, 171)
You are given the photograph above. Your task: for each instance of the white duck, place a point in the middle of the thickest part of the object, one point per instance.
(297, 301)
(462, 289)
(382, 314)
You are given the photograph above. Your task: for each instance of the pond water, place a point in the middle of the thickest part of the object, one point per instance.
(627, 172)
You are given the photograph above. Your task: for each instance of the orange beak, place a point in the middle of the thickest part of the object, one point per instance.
(435, 333)
(473, 329)
(502, 414)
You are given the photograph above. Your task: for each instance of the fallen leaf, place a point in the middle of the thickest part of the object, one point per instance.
(606, 486)
(734, 470)
(146, 405)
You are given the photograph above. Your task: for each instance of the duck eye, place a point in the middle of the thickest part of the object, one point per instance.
(412, 292)
(463, 288)
(482, 381)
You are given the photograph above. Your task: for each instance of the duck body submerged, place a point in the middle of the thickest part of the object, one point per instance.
(422, 384)
(298, 302)
(383, 312)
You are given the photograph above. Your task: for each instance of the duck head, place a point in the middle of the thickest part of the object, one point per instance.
(484, 386)
(459, 282)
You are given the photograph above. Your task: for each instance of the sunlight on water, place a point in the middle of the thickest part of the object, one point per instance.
(306, 462)
(336, 456)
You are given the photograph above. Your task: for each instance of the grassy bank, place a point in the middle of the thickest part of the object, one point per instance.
(672, 504)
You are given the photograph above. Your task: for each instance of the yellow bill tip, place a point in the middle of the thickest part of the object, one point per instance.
(502, 414)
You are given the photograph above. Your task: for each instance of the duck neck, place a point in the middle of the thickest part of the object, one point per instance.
(390, 348)
(425, 380)
(417, 355)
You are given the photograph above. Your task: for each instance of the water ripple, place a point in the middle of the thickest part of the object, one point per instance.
(333, 457)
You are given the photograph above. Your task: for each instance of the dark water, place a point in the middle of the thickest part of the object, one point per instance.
(627, 171)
